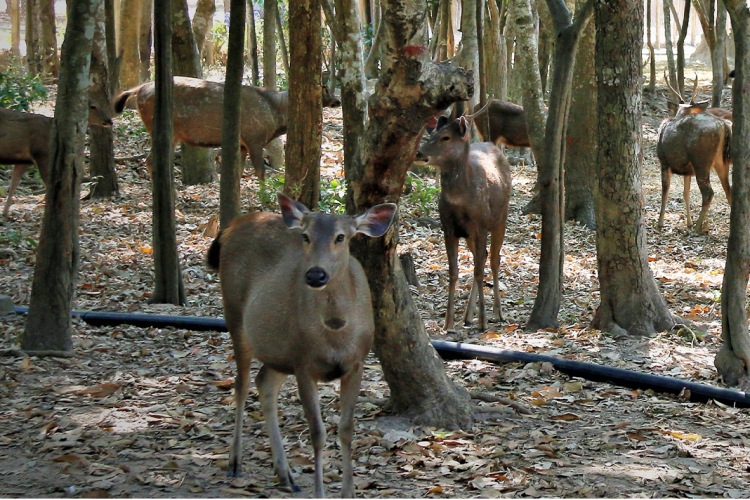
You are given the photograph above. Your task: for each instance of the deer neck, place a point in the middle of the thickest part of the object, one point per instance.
(455, 175)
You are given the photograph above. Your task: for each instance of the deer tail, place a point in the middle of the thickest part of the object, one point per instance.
(122, 99)
(213, 256)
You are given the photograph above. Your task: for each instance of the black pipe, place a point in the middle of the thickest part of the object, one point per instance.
(458, 350)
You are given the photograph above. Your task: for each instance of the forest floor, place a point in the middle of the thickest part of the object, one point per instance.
(149, 412)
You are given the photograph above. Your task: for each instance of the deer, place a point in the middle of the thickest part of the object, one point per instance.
(24, 141)
(507, 124)
(691, 144)
(475, 194)
(298, 302)
(199, 113)
(693, 107)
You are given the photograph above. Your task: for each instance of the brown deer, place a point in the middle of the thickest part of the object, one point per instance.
(24, 141)
(296, 300)
(693, 143)
(475, 193)
(507, 124)
(693, 107)
(199, 113)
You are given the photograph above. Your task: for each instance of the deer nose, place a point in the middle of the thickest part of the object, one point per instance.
(316, 277)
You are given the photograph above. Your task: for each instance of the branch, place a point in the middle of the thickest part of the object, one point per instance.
(331, 18)
(582, 16)
(560, 15)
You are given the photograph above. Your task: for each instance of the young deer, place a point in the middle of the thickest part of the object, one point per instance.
(475, 192)
(299, 303)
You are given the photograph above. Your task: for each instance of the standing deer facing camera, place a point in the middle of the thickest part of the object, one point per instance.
(296, 300)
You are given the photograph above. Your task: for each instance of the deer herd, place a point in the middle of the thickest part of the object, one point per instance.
(294, 298)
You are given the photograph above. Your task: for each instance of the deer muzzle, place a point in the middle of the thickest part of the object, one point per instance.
(316, 277)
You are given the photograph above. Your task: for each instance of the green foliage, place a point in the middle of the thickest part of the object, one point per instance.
(18, 89)
(220, 33)
(267, 193)
(332, 196)
(423, 193)
(15, 239)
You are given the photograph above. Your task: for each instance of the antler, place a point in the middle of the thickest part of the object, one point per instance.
(695, 90)
(673, 91)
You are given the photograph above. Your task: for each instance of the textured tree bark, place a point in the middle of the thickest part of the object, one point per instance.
(652, 59)
(733, 360)
(15, 28)
(33, 37)
(630, 300)
(252, 44)
(469, 56)
(145, 40)
(446, 42)
(282, 42)
(168, 285)
(129, 45)
(269, 44)
(48, 327)
(304, 133)
(668, 44)
(50, 64)
(411, 90)
(681, 47)
(231, 161)
(196, 162)
(202, 21)
(494, 55)
(101, 141)
(718, 54)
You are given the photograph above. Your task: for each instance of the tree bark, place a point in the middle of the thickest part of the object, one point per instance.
(469, 56)
(494, 55)
(50, 64)
(48, 327)
(231, 161)
(168, 285)
(718, 54)
(411, 90)
(733, 360)
(101, 139)
(651, 55)
(15, 28)
(282, 41)
(445, 38)
(668, 44)
(269, 43)
(252, 44)
(681, 48)
(196, 162)
(202, 21)
(630, 300)
(582, 132)
(129, 45)
(145, 40)
(305, 103)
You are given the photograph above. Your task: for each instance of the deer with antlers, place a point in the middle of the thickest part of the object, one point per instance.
(693, 107)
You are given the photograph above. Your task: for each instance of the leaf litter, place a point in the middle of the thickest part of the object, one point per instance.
(149, 412)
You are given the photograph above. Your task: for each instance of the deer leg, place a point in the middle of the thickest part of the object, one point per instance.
(269, 381)
(256, 157)
(350, 383)
(666, 179)
(451, 248)
(15, 179)
(308, 395)
(242, 356)
(708, 194)
(472, 302)
(686, 198)
(496, 243)
(480, 259)
(724, 178)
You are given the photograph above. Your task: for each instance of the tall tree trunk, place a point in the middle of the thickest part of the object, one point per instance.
(469, 56)
(545, 43)
(494, 54)
(630, 300)
(681, 48)
(580, 154)
(305, 111)
(668, 44)
(733, 360)
(282, 42)
(48, 327)
(129, 44)
(113, 62)
(168, 285)
(376, 163)
(101, 140)
(15, 27)
(371, 63)
(718, 54)
(196, 162)
(480, 53)
(252, 43)
(202, 21)
(231, 161)
(269, 43)
(50, 64)
(446, 43)
(651, 55)
(145, 40)
(33, 37)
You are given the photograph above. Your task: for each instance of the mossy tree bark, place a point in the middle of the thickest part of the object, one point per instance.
(630, 300)
(48, 328)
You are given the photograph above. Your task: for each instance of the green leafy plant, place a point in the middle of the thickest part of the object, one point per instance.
(18, 89)
(423, 192)
(267, 192)
(332, 196)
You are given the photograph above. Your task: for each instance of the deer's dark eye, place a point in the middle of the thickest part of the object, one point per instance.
(445, 138)
(340, 238)
(305, 238)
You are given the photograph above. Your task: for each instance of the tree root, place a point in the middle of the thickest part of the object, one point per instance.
(492, 398)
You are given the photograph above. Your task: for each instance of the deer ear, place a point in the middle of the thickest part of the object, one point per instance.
(292, 211)
(431, 125)
(441, 122)
(703, 105)
(376, 221)
(464, 128)
(672, 106)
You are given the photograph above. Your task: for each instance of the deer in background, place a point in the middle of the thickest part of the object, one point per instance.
(475, 193)
(199, 113)
(296, 300)
(507, 124)
(24, 141)
(693, 107)
(693, 143)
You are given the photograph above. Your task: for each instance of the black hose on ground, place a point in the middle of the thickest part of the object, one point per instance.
(458, 350)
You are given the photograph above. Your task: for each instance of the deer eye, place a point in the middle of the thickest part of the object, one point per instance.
(305, 238)
(340, 238)
(445, 138)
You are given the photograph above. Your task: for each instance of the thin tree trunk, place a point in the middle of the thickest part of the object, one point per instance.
(269, 44)
(15, 27)
(50, 64)
(168, 285)
(494, 55)
(668, 44)
(717, 55)
(202, 22)
(113, 62)
(252, 43)
(469, 57)
(48, 327)
(129, 44)
(652, 58)
(681, 48)
(144, 44)
(282, 41)
(231, 160)
(33, 37)
(630, 300)
(371, 63)
(480, 53)
(733, 359)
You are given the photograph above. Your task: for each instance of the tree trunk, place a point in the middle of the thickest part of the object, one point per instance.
(545, 43)
(231, 161)
(651, 55)
(129, 45)
(252, 43)
(15, 28)
(196, 162)
(480, 53)
(168, 285)
(33, 37)
(446, 42)
(630, 300)
(371, 63)
(668, 44)
(580, 155)
(494, 54)
(681, 48)
(733, 360)
(411, 90)
(718, 54)
(282, 42)
(145, 40)
(305, 111)
(101, 140)
(48, 327)
(469, 56)
(202, 21)
(50, 64)
(113, 62)
(269, 43)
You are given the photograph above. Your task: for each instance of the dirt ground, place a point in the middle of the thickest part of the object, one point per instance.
(149, 412)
